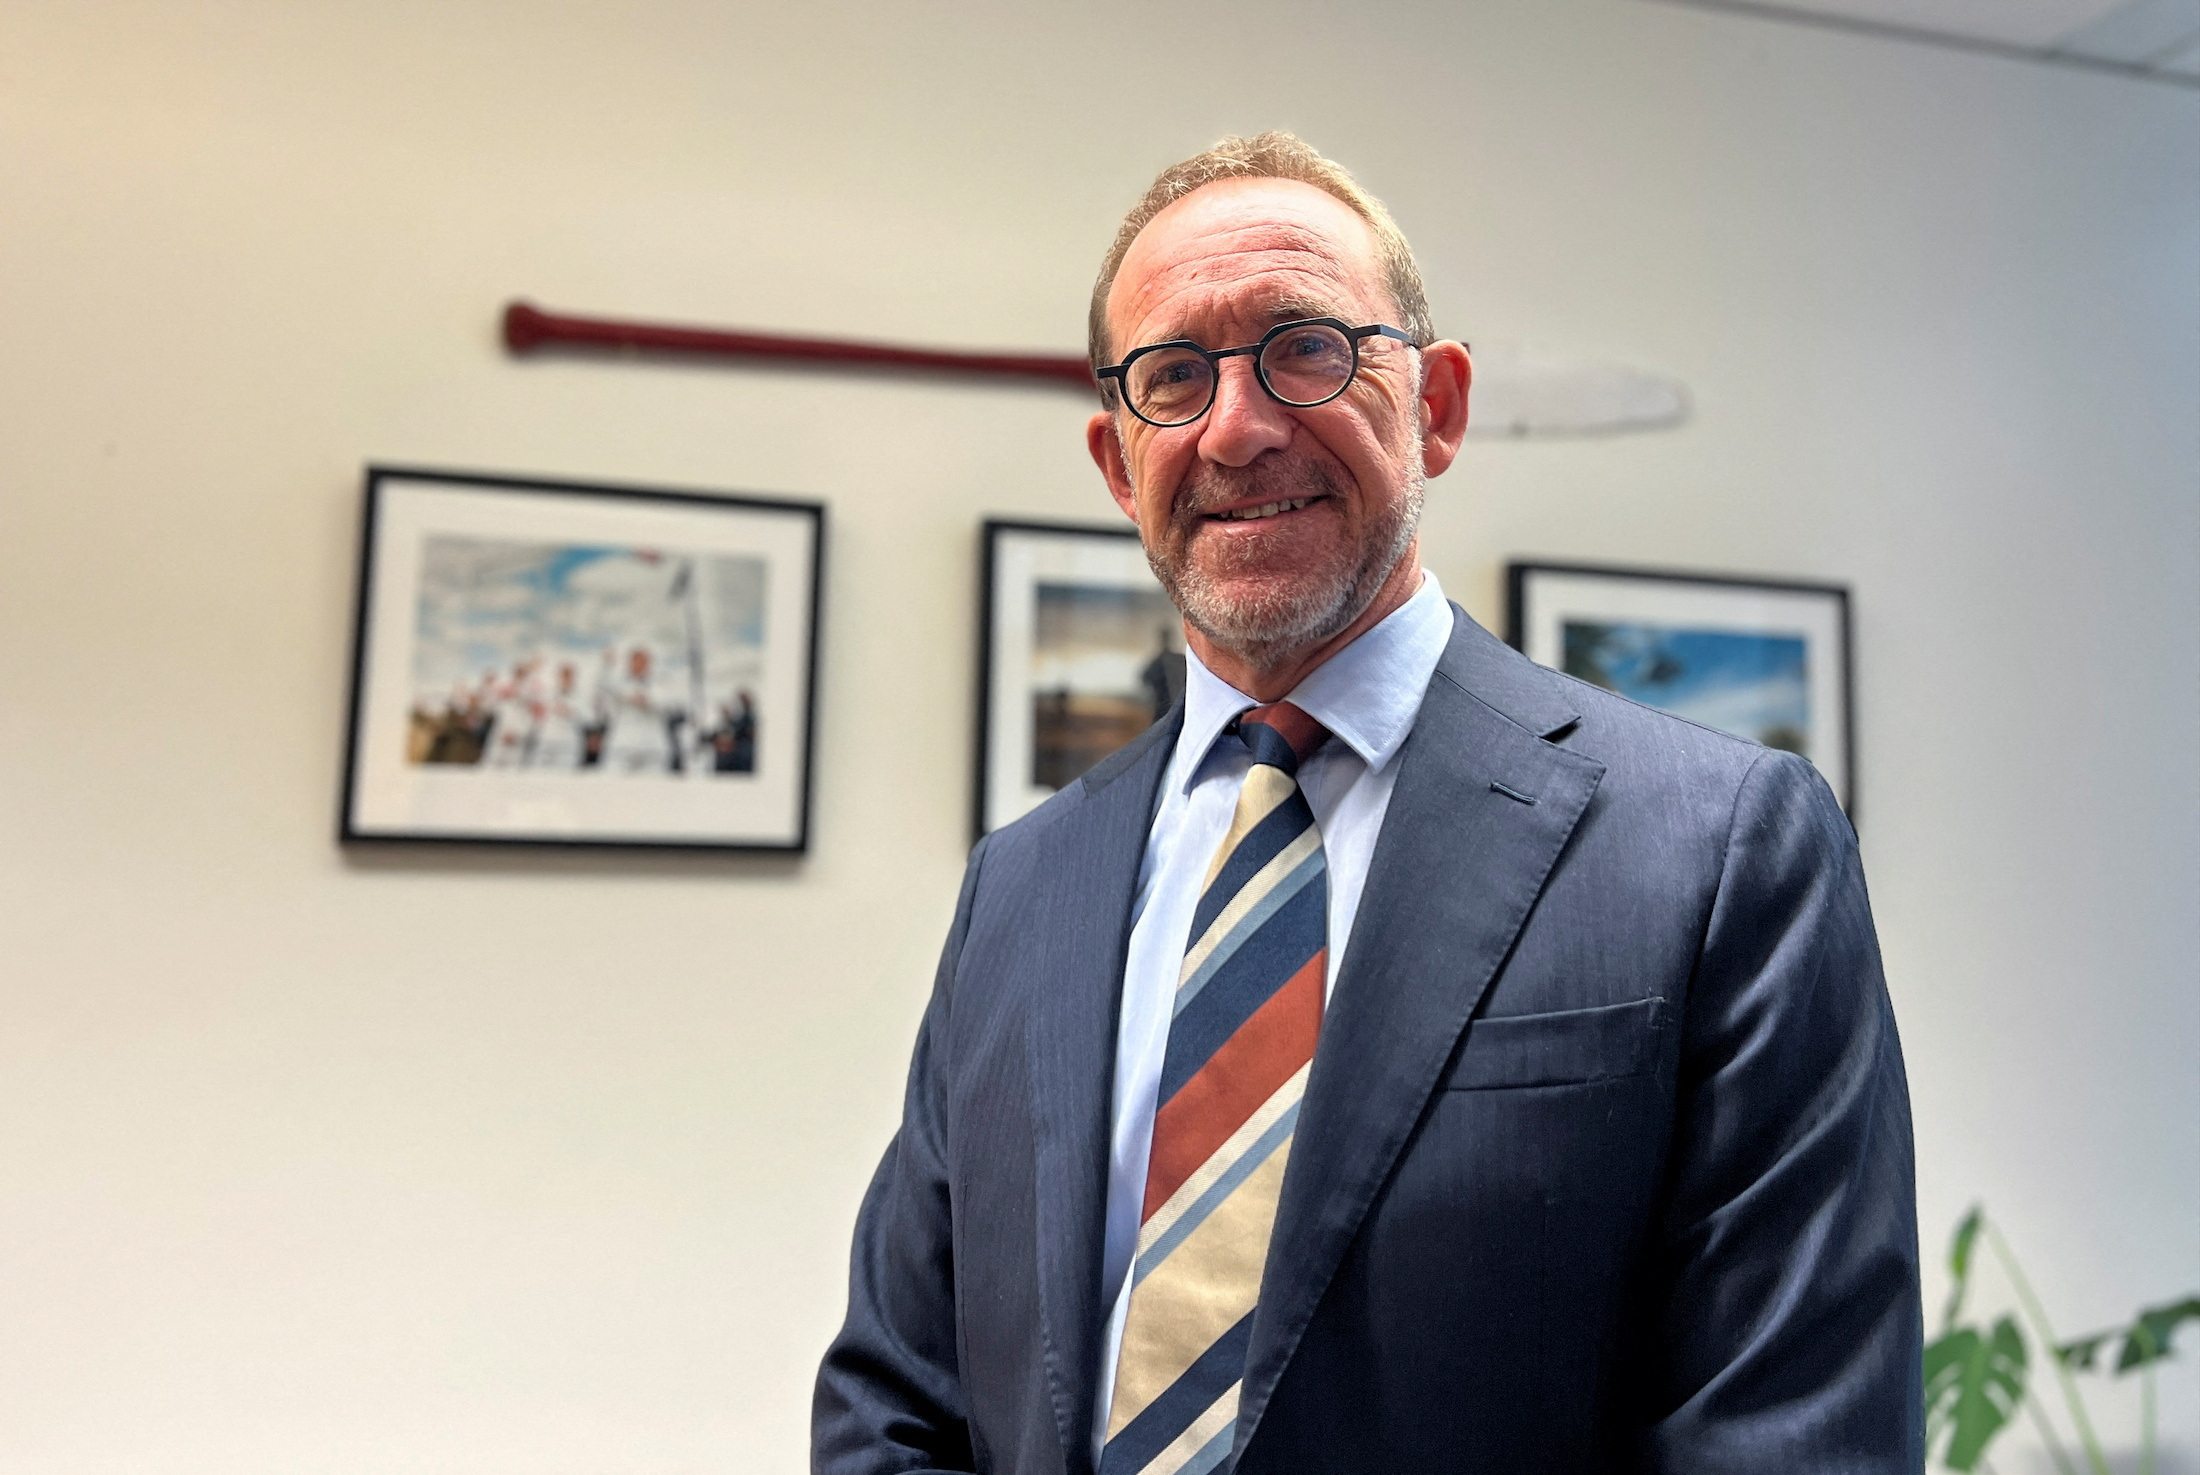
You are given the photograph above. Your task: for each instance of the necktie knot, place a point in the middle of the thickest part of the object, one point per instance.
(1281, 735)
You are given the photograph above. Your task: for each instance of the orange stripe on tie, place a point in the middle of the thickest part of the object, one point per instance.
(1237, 1080)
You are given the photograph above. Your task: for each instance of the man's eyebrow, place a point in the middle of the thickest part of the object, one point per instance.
(1291, 308)
(1286, 309)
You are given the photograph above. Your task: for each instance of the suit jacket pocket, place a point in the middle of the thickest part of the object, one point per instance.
(1562, 1049)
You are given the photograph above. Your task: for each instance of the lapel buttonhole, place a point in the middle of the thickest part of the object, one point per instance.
(1512, 793)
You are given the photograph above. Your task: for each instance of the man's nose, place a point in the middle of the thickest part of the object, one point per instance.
(1244, 420)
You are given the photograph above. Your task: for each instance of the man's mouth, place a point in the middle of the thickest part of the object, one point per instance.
(1265, 509)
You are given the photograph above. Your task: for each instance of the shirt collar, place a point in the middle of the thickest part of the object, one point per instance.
(1367, 694)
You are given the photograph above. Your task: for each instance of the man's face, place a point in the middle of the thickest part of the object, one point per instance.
(1272, 527)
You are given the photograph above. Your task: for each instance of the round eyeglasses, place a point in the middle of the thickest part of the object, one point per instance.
(1302, 364)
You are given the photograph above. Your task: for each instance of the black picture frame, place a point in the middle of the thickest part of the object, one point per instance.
(1017, 557)
(1707, 609)
(757, 562)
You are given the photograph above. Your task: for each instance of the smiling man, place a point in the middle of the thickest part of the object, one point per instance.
(1402, 1057)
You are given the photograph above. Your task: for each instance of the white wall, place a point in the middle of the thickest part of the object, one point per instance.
(515, 1163)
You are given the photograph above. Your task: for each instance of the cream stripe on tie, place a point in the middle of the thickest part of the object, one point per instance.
(1271, 1114)
(1203, 1291)
(1247, 1014)
(1264, 789)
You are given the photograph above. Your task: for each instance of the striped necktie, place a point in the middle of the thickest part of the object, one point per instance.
(1248, 1009)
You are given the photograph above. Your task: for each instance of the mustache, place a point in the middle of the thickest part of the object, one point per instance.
(1210, 488)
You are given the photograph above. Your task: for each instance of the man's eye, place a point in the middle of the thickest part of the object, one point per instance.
(1312, 345)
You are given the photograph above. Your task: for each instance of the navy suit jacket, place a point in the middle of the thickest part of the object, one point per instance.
(1604, 1163)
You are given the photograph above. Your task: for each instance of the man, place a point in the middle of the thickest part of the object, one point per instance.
(731, 745)
(512, 722)
(558, 731)
(1163, 676)
(640, 719)
(1402, 1058)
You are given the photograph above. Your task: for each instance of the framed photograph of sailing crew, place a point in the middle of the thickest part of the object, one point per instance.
(543, 662)
(1079, 652)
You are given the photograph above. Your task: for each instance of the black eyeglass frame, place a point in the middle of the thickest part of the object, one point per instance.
(1119, 372)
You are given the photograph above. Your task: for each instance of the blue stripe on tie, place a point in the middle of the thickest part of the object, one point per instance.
(1212, 1454)
(1262, 964)
(1307, 869)
(1184, 1400)
(1263, 1148)
(1278, 828)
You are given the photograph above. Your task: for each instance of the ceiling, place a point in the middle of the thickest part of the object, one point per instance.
(2156, 40)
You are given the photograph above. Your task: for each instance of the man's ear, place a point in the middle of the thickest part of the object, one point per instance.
(1446, 375)
(1107, 453)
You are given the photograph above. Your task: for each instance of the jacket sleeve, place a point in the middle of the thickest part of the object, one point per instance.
(889, 1396)
(1784, 1317)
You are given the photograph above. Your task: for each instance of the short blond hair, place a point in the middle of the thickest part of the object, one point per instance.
(1271, 155)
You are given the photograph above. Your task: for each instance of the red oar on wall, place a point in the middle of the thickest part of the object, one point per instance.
(528, 329)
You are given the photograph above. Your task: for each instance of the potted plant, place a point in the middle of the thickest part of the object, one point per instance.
(1978, 1376)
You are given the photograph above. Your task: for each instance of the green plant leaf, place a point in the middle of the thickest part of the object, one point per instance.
(2149, 1338)
(1974, 1384)
(2082, 1353)
(1959, 1265)
(1945, 1358)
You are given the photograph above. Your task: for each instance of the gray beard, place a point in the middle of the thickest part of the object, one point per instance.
(1278, 622)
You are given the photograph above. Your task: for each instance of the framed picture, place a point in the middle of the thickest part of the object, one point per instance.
(1079, 652)
(555, 663)
(1767, 660)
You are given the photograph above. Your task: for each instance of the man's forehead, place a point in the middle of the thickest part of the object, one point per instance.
(1245, 250)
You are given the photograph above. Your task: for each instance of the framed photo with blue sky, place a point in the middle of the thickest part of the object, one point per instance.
(1767, 660)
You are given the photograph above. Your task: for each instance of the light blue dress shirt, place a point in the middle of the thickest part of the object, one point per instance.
(1367, 695)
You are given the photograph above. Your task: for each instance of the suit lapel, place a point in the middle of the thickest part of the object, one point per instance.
(1090, 860)
(1459, 864)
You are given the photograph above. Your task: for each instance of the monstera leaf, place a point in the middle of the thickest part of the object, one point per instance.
(2148, 1339)
(1974, 1382)
(2081, 1354)
(2150, 1336)
(1959, 1265)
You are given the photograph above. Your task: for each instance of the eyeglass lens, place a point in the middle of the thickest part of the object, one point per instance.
(1307, 365)
(1302, 366)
